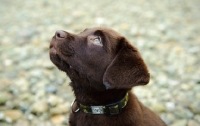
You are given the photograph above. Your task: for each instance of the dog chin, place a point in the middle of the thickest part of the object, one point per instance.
(59, 62)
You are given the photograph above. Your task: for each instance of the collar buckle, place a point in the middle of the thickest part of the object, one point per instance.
(73, 105)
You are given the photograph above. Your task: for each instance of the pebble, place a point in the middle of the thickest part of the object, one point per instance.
(22, 123)
(51, 89)
(197, 118)
(12, 115)
(184, 113)
(170, 106)
(57, 119)
(1, 116)
(194, 107)
(4, 84)
(4, 97)
(100, 20)
(182, 122)
(169, 118)
(39, 107)
(4, 124)
(193, 123)
(60, 109)
(158, 107)
(49, 65)
(54, 100)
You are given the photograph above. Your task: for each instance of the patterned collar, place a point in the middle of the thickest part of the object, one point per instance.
(109, 109)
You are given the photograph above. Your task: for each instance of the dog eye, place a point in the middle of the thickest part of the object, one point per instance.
(98, 41)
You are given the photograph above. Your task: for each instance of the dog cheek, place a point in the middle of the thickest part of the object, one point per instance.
(66, 50)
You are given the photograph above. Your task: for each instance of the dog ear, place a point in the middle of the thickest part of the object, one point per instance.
(127, 68)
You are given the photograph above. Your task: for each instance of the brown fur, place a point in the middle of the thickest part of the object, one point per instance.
(103, 74)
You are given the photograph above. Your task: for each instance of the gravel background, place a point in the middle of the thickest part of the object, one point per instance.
(33, 92)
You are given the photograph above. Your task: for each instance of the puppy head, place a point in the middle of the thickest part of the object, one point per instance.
(98, 58)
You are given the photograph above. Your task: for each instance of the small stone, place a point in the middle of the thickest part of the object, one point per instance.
(14, 90)
(181, 122)
(8, 62)
(134, 31)
(60, 109)
(12, 115)
(193, 123)
(169, 118)
(151, 15)
(30, 117)
(24, 105)
(162, 27)
(66, 121)
(197, 96)
(26, 33)
(39, 107)
(158, 107)
(4, 124)
(51, 89)
(13, 104)
(183, 113)
(197, 118)
(153, 32)
(4, 97)
(53, 100)
(100, 20)
(48, 65)
(1, 115)
(3, 108)
(41, 123)
(27, 96)
(23, 84)
(5, 83)
(58, 119)
(185, 87)
(2, 100)
(36, 73)
(170, 106)
(22, 123)
(124, 26)
(194, 107)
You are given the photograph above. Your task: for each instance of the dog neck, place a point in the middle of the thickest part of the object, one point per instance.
(90, 96)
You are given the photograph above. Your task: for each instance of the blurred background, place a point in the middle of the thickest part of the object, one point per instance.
(33, 92)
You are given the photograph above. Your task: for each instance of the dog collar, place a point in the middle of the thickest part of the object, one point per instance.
(109, 109)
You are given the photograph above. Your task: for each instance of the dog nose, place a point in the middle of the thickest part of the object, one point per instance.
(60, 34)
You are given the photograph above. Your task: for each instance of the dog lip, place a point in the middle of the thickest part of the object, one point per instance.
(52, 42)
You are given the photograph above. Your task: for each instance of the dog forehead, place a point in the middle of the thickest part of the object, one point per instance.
(106, 30)
(90, 31)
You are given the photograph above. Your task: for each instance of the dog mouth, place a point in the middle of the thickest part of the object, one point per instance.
(57, 51)
(62, 57)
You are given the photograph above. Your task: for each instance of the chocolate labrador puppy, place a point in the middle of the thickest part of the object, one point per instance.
(103, 67)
